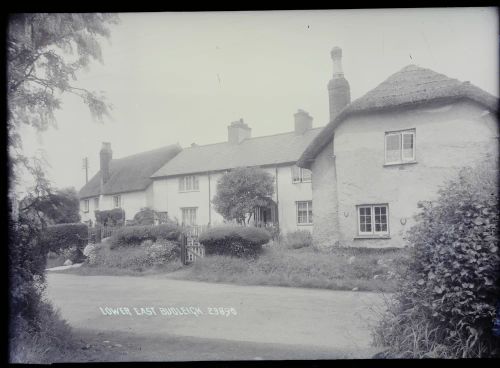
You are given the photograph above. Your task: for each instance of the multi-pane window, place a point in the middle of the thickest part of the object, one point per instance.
(373, 219)
(187, 183)
(304, 212)
(85, 205)
(189, 215)
(300, 175)
(399, 146)
(96, 203)
(117, 201)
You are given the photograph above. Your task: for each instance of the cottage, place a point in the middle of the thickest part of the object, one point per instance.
(391, 148)
(123, 183)
(185, 186)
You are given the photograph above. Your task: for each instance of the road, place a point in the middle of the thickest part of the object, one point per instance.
(264, 323)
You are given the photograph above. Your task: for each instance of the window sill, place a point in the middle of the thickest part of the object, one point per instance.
(301, 182)
(401, 163)
(309, 224)
(360, 237)
(188, 191)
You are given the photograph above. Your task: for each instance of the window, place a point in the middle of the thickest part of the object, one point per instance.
(304, 212)
(300, 175)
(85, 205)
(400, 147)
(96, 203)
(188, 183)
(117, 201)
(373, 219)
(189, 215)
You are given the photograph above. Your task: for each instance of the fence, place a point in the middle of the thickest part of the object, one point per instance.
(97, 233)
(191, 249)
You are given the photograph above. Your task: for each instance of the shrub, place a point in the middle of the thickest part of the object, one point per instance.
(298, 239)
(64, 236)
(445, 306)
(114, 217)
(135, 235)
(234, 240)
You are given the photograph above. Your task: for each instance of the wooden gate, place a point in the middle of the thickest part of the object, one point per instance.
(191, 249)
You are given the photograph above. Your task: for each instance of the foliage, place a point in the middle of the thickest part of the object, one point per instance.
(146, 216)
(63, 236)
(446, 303)
(58, 207)
(38, 73)
(138, 258)
(298, 239)
(234, 240)
(114, 217)
(304, 267)
(135, 235)
(242, 190)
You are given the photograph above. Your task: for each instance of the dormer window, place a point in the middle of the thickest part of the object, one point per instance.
(400, 147)
(188, 183)
(300, 175)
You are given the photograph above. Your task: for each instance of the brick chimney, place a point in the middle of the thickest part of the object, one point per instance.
(338, 88)
(106, 155)
(303, 121)
(237, 131)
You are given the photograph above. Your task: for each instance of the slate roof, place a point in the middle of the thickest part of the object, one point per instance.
(259, 151)
(410, 87)
(131, 173)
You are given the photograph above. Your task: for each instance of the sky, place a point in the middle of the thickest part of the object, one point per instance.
(184, 77)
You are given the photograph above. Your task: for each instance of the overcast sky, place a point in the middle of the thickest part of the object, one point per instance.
(183, 77)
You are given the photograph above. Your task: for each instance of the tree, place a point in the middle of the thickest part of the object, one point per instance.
(59, 207)
(44, 54)
(241, 191)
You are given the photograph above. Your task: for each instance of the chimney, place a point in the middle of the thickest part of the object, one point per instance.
(338, 88)
(303, 121)
(238, 131)
(106, 155)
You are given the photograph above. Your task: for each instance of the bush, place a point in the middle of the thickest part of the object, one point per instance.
(233, 240)
(135, 235)
(138, 258)
(445, 306)
(63, 236)
(114, 217)
(298, 239)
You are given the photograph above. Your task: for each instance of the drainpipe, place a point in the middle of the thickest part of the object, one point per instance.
(277, 201)
(209, 201)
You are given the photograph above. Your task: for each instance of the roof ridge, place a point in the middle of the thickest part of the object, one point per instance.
(249, 139)
(146, 152)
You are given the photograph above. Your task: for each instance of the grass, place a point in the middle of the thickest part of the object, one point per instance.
(339, 269)
(51, 341)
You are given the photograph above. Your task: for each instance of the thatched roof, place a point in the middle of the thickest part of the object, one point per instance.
(275, 149)
(412, 86)
(131, 173)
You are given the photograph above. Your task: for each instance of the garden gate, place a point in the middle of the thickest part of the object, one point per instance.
(191, 249)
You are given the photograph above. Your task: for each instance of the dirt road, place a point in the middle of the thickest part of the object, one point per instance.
(156, 318)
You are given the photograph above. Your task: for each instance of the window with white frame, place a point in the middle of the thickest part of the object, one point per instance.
(189, 215)
(85, 205)
(117, 201)
(188, 183)
(304, 212)
(96, 203)
(400, 146)
(373, 219)
(300, 175)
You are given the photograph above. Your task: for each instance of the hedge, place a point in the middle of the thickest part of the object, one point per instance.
(113, 217)
(233, 240)
(135, 235)
(64, 236)
(448, 297)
